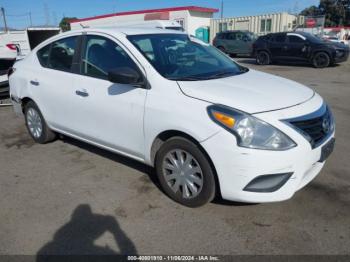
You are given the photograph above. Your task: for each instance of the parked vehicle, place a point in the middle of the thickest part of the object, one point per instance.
(8, 54)
(235, 42)
(299, 47)
(207, 124)
(17, 44)
(335, 40)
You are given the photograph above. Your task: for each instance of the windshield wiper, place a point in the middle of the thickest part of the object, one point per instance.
(221, 75)
(187, 78)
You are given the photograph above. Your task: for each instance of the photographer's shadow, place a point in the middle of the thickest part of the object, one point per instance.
(78, 235)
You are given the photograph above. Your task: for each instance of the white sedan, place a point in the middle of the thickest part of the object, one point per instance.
(208, 125)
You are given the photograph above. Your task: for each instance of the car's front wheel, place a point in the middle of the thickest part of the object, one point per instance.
(263, 58)
(185, 173)
(321, 60)
(36, 124)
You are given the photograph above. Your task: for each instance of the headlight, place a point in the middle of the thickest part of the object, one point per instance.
(339, 53)
(250, 131)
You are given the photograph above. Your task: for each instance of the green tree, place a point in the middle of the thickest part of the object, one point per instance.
(64, 24)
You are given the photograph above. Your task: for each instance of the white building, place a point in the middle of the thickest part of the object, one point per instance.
(190, 17)
(258, 24)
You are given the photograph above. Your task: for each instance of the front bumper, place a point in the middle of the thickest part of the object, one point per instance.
(236, 167)
(343, 57)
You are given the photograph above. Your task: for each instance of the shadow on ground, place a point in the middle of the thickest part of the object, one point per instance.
(78, 235)
(149, 171)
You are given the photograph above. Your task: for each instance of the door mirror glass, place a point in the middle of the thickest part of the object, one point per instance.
(125, 75)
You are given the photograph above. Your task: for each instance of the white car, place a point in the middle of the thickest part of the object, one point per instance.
(208, 125)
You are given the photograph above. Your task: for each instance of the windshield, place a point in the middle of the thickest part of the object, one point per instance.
(179, 57)
(312, 38)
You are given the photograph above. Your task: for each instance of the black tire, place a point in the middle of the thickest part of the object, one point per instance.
(206, 192)
(46, 135)
(321, 60)
(263, 58)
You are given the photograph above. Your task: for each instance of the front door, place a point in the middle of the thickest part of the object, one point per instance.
(110, 114)
(297, 47)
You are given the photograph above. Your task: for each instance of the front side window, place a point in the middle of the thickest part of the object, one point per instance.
(179, 57)
(62, 53)
(102, 55)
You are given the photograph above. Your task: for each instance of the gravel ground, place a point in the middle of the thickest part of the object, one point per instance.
(69, 197)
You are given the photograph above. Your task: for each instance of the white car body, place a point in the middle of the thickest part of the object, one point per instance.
(128, 120)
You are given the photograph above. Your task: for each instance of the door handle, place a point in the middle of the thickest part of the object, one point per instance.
(82, 93)
(34, 83)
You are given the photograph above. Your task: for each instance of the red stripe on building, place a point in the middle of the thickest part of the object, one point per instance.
(171, 9)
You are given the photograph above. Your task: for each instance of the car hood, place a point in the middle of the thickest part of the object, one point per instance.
(251, 92)
(337, 45)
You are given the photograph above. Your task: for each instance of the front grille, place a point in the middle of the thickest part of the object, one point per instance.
(316, 127)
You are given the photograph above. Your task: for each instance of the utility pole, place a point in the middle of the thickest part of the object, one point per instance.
(30, 19)
(4, 17)
(222, 9)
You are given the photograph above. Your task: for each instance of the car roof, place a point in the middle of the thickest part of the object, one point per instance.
(128, 30)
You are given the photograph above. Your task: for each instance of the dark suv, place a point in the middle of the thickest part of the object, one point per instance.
(298, 47)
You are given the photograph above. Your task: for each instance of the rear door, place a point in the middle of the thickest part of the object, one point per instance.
(51, 83)
(231, 42)
(277, 45)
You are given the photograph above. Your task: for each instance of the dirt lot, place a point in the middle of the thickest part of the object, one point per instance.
(69, 197)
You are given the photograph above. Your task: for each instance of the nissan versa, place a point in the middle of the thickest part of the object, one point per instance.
(207, 124)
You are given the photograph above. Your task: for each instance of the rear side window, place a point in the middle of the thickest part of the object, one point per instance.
(43, 55)
(62, 53)
(280, 38)
(102, 55)
(231, 36)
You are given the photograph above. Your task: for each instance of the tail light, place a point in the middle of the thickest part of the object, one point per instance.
(10, 71)
(12, 47)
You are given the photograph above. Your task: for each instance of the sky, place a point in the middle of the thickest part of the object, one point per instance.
(51, 11)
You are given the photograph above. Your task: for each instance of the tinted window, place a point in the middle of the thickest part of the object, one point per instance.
(295, 39)
(43, 55)
(179, 57)
(62, 53)
(231, 36)
(101, 55)
(280, 38)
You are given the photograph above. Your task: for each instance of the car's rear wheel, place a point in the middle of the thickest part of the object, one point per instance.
(185, 173)
(321, 60)
(263, 58)
(36, 124)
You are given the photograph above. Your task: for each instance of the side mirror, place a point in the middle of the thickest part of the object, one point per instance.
(125, 75)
